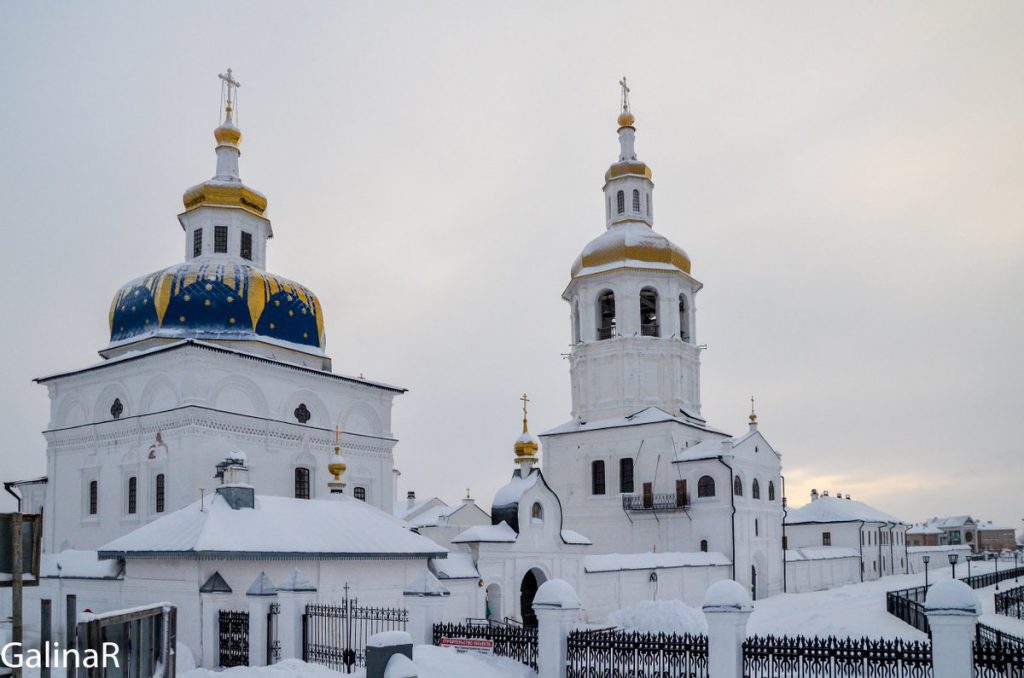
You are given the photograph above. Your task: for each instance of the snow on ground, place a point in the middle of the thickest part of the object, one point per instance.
(662, 616)
(859, 609)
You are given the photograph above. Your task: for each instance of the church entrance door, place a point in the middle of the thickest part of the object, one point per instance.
(527, 591)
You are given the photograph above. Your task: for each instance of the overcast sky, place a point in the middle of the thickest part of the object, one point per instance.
(846, 178)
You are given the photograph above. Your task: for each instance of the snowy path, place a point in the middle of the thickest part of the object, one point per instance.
(859, 609)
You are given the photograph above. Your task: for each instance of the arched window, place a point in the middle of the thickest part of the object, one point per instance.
(94, 497)
(636, 201)
(706, 486)
(755, 489)
(704, 545)
(626, 475)
(649, 312)
(597, 477)
(620, 200)
(537, 512)
(757, 528)
(684, 319)
(159, 494)
(606, 315)
(359, 493)
(737, 487)
(771, 490)
(302, 483)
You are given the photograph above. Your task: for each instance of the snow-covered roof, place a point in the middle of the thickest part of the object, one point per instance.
(458, 565)
(988, 525)
(924, 528)
(282, 527)
(513, 491)
(571, 537)
(650, 415)
(836, 510)
(432, 516)
(72, 564)
(426, 585)
(821, 553)
(706, 449)
(403, 510)
(500, 533)
(951, 521)
(615, 562)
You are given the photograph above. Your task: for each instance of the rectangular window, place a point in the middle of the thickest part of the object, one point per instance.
(597, 477)
(626, 475)
(246, 249)
(359, 493)
(302, 483)
(133, 494)
(826, 539)
(94, 497)
(160, 493)
(220, 239)
(197, 242)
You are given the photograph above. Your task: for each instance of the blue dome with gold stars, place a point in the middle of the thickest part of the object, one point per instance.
(217, 300)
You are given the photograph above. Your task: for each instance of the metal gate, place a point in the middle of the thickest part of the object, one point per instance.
(273, 643)
(336, 635)
(233, 634)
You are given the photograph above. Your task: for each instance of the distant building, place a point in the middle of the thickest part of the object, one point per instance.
(995, 537)
(923, 534)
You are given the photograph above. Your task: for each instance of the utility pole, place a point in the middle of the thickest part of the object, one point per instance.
(16, 587)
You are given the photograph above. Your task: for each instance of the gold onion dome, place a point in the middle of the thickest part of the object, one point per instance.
(631, 243)
(626, 119)
(527, 445)
(225, 193)
(228, 134)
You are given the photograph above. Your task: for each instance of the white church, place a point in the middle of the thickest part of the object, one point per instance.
(217, 367)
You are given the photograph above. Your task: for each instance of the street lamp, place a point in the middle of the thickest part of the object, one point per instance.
(953, 557)
(969, 559)
(926, 558)
(997, 569)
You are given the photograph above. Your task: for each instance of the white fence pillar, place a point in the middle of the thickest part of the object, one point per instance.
(261, 595)
(293, 595)
(558, 611)
(727, 608)
(952, 609)
(425, 599)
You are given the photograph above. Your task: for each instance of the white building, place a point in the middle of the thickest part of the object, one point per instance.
(207, 356)
(637, 467)
(849, 526)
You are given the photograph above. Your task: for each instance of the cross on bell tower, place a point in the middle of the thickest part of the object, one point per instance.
(228, 94)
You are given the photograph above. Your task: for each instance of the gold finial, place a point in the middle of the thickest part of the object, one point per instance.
(626, 118)
(526, 446)
(467, 493)
(753, 415)
(336, 467)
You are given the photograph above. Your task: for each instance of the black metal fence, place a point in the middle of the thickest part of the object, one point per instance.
(778, 657)
(233, 638)
(511, 640)
(981, 581)
(336, 635)
(1011, 602)
(997, 655)
(620, 654)
(908, 605)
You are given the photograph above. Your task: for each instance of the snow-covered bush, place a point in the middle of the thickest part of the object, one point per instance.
(660, 616)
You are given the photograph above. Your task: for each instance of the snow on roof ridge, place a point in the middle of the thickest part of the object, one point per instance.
(835, 510)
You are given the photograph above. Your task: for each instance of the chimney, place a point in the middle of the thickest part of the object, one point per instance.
(824, 493)
(847, 495)
(814, 495)
(410, 499)
(234, 482)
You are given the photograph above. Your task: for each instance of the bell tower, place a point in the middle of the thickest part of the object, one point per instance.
(632, 303)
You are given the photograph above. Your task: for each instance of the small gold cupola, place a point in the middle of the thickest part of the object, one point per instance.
(337, 467)
(527, 445)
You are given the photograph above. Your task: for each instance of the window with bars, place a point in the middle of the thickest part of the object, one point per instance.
(826, 539)
(737, 487)
(636, 201)
(771, 491)
(159, 493)
(197, 242)
(302, 483)
(755, 489)
(626, 475)
(704, 545)
(94, 497)
(620, 200)
(359, 493)
(246, 249)
(133, 494)
(220, 239)
(706, 486)
(597, 477)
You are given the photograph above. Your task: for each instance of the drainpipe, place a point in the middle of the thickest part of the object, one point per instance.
(732, 500)
(892, 559)
(7, 486)
(785, 512)
(861, 551)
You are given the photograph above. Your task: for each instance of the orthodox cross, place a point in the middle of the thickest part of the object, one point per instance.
(229, 87)
(753, 415)
(525, 401)
(625, 93)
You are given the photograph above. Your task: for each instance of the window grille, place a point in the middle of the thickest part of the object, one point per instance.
(133, 494)
(220, 239)
(197, 242)
(359, 493)
(94, 497)
(597, 477)
(706, 487)
(636, 201)
(626, 475)
(302, 483)
(160, 493)
(245, 251)
(620, 200)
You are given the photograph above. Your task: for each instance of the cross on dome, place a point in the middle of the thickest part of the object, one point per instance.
(525, 400)
(753, 414)
(626, 118)
(229, 94)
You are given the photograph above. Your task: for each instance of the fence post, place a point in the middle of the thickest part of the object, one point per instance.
(952, 609)
(558, 610)
(425, 599)
(727, 607)
(261, 594)
(295, 592)
(45, 634)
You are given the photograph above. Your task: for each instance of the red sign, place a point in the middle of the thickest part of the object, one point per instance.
(478, 645)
